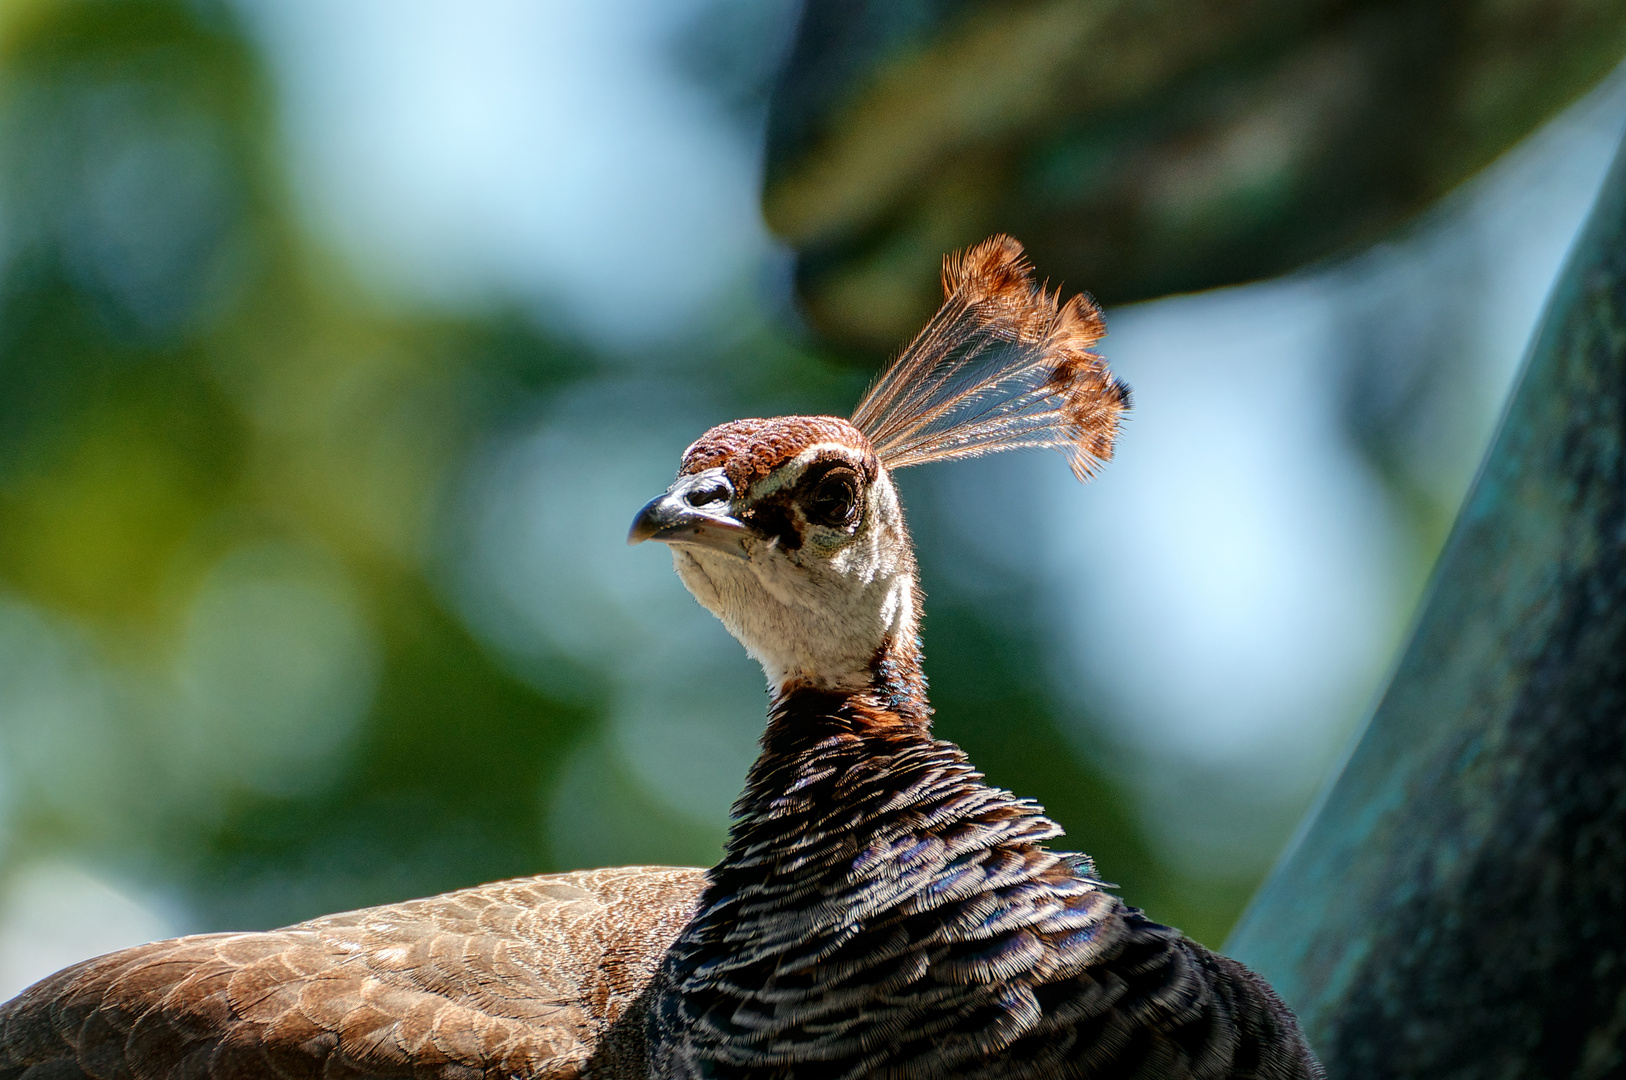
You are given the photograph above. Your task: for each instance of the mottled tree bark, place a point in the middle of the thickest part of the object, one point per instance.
(1457, 908)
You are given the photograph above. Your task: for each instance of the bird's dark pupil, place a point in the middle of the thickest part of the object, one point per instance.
(833, 500)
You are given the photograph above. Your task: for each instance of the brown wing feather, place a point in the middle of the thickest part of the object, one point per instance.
(520, 977)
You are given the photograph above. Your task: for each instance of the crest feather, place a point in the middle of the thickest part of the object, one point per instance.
(1003, 365)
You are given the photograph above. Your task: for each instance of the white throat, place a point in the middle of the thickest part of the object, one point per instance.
(813, 618)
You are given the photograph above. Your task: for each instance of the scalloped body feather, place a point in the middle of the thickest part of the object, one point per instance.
(882, 912)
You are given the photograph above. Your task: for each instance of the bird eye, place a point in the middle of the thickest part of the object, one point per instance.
(834, 499)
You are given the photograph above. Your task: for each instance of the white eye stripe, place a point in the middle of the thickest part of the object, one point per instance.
(792, 471)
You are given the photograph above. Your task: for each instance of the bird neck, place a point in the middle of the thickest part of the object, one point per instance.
(866, 856)
(824, 751)
(828, 756)
(889, 692)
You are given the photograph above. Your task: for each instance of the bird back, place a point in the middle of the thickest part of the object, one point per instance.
(527, 977)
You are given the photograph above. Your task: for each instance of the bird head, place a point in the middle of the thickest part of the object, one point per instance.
(789, 529)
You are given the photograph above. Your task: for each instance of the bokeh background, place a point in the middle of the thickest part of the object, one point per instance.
(339, 342)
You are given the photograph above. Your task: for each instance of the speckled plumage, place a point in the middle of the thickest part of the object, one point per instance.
(517, 978)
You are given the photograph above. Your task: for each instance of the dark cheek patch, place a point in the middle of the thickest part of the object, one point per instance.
(774, 518)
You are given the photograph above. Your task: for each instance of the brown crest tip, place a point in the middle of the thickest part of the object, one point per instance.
(1003, 365)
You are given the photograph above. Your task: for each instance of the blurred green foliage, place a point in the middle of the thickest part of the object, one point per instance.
(230, 661)
(183, 380)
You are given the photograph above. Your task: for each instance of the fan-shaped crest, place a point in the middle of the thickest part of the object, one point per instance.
(1003, 365)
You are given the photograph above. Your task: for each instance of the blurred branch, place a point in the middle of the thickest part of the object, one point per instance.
(1142, 149)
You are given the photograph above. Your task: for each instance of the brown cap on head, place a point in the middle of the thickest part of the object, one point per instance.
(749, 450)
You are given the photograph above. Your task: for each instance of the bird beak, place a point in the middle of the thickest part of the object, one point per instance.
(675, 517)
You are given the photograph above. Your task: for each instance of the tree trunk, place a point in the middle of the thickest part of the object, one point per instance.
(1457, 907)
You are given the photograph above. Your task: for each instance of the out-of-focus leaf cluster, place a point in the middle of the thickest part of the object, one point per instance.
(1142, 149)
